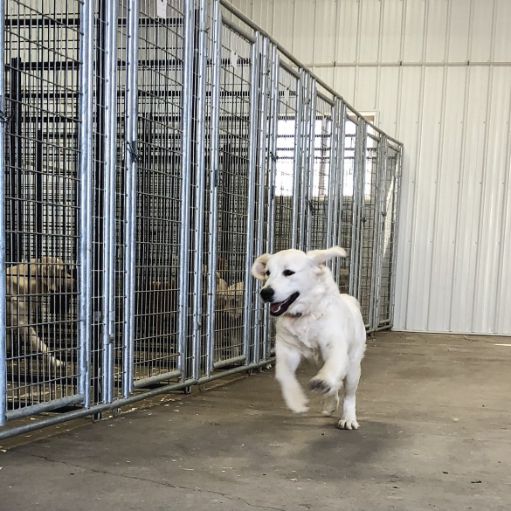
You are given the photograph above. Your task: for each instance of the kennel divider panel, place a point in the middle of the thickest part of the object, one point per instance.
(3, 286)
(387, 237)
(41, 183)
(165, 50)
(287, 155)
(212, 178)
(271, 157)
(319, 198)
(235, 192)
(368, 233)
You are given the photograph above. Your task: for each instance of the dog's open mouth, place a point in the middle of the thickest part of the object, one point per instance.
(278, 308)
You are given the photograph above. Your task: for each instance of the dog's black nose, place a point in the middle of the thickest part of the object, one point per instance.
(267, 294)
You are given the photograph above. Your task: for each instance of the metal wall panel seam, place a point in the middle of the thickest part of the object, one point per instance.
(503, 231)
(460, 169)
(481, 223)
(440, 148)
(419, 152)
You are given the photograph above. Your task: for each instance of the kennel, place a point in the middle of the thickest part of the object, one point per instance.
(151, 149)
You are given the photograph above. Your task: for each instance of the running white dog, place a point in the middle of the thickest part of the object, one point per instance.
(314, 321)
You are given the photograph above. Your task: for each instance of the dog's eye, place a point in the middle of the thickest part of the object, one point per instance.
(267, 273)
(287, 273)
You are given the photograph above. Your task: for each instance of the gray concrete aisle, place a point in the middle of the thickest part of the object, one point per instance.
(435, 434)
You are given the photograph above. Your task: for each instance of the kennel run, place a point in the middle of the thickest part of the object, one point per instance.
(152, 149)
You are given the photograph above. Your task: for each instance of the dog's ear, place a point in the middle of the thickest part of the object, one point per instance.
(259, 266)
(322, 256)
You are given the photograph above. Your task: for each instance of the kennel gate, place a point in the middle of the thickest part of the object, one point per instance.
(155, 148)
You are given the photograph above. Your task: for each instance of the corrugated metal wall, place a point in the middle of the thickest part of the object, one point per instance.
(438, 74)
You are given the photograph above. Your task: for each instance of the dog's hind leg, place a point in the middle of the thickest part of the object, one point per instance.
(287, 361)
(349, 412)
(331, 404)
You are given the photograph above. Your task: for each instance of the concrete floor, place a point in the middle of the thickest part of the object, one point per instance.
(435, 434)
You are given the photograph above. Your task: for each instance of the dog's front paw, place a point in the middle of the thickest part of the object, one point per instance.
(298, 405)
(319, 385)
(348, 424)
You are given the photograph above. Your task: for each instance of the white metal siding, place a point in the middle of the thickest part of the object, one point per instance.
(438, 73)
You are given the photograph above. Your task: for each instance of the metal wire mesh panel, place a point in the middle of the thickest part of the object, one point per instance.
(388, 196)
(348, 194)
(285, 171)
(367, 235)
(41, 206)
(234, 124)
(159, 176)
(318, 203)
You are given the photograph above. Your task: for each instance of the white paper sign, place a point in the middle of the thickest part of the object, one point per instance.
(161, 8)
(234, 59)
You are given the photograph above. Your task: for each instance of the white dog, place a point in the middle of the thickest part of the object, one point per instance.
(314, 321)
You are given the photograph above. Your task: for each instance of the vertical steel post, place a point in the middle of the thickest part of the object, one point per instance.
(358, 200)
(85, 244)
(252, 173)
(339, 189)
(332, 175)
(131, 194)
(213, 188)
(311, 150)
(272, 171)
(261, 167)
(304, 159)
(187, 92)
(297, 160)
(109, 234)
(395, 218)
(379, 229)
(3, 287)
(200, 191)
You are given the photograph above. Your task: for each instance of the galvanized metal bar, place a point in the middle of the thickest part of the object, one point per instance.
(3, 286)
(272, 169)
(47, 406)
(340, 173)
(311, 145)
(229, 362)
(358, 194)
(187, 92)
(297, 163)
(85, 244)
(261, 180)
(131, 158)
(252, 174)
(213, 185)
(379, 229)
(152, 380)
(109, 235)
(332, 177)
(304, 160)
(200, 191)
(395, 217)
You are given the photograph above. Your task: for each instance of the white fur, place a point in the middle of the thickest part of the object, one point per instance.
(320, 324)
